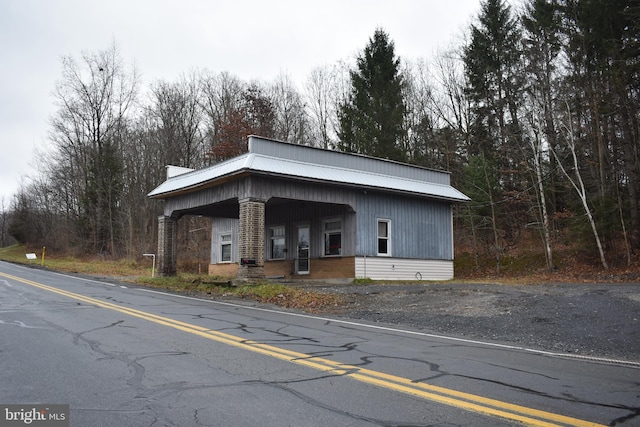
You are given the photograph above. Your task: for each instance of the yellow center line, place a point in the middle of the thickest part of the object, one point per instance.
(462, 400)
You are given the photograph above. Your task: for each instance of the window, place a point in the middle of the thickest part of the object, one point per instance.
(225, 247)
(332, 237)
(277, 246)
(384, 228)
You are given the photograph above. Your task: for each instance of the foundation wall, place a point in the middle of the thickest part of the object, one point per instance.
(320, 268)
(223, 270)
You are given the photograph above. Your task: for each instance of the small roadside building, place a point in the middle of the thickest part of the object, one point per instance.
(291, 211)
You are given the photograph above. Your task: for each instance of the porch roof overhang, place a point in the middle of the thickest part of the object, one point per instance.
(260, 164)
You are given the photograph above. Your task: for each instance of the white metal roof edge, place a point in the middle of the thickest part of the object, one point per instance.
(265, 164)
(201, 176)
(256, 141)
(357, 178)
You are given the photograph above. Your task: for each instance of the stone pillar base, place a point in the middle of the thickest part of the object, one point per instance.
(251, 239)
(167, 246)
(251, 272)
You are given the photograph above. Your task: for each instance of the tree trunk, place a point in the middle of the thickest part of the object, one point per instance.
(582, 193)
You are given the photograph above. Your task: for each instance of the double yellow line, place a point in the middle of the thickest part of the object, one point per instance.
(458, 399)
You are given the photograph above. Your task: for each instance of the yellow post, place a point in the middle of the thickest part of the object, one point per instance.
(43, 249)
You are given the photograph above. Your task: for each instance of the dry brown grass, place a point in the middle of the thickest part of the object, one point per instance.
(87, 265)
(140, 273)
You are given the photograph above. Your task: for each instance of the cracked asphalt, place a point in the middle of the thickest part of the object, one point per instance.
(590, 319)
(126, 355)
(586, 319)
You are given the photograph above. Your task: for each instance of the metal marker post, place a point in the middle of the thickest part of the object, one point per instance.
(153, 265)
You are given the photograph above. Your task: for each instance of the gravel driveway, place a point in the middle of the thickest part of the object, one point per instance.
(596, 320)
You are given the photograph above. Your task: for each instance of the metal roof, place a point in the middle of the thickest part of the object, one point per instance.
(308, 170)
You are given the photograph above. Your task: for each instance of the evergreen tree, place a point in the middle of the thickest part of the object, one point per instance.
(371, 119)
(493, 68)
(602, 88)
(542, 47)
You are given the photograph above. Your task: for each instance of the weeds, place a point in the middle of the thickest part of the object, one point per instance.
(271, 293)
(290, 297)
(140, 273)
(70, 264)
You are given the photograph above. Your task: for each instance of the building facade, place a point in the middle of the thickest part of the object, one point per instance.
(291, 211)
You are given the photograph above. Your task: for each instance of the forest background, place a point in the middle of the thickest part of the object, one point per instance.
(536, 115)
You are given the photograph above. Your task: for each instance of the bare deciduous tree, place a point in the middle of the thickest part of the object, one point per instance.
(179, 119)
(5, 238)
(290, 115)
(222, 97)
(94, 97)
(320, 94)
(578, 183)
(537, 143)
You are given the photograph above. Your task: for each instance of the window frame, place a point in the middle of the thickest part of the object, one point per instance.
(326, 233)
(272, 238)
(387, 237)
(224, 243)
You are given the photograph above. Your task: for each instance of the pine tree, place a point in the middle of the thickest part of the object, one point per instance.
(371, 119)
(602, 90)
(492, 66)
(542, 47)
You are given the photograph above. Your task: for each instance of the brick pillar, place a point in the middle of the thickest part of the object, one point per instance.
(251, 239)
(167, 246)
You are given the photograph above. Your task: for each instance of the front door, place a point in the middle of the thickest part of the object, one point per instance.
(302, 258)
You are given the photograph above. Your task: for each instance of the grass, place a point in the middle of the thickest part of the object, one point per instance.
(140, 273)
(185, 282)
(271, 293)
(525, 268)
(70, 264)
(363, 281)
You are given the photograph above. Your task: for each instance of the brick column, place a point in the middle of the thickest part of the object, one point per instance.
(167, 245)
(251, 239)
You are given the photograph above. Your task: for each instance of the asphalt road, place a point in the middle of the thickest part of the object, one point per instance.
(128, 356)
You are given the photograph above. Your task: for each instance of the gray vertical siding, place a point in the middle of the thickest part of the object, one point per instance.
(420, 228)
(223, 226)
(314, 155)
(290, 214)
(293, 214)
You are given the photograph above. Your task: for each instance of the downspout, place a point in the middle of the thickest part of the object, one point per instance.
(365, 266)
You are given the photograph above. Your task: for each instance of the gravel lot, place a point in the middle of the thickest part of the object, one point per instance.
(600, 320)
(596, 320)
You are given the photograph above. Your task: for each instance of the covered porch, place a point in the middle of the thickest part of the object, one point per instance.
(281, 228)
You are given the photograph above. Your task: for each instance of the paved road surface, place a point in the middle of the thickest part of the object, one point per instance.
(132, 357)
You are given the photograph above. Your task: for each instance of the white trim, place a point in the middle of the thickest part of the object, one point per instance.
(387, 268)
(324, 232)
(296, 259)
(226, 243)
(453, 251)
(270, 239)
(388, 237)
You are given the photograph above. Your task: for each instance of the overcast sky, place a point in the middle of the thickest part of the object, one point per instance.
(250, 39)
